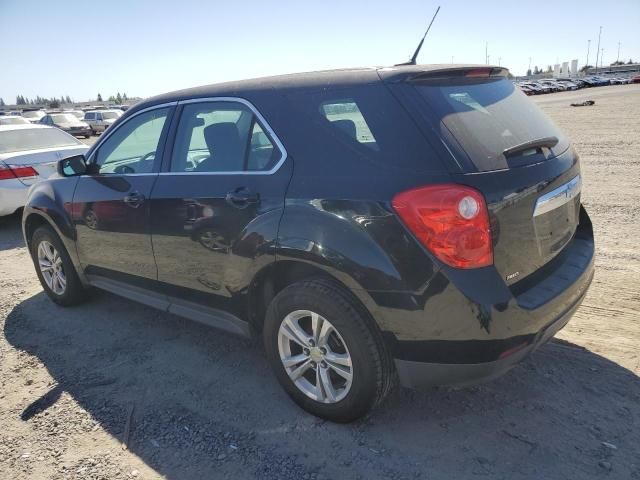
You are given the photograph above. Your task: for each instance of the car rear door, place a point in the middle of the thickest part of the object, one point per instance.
(111, 204)
(216, 206)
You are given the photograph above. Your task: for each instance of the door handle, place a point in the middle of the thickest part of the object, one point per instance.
(242, 197)
(134, 199)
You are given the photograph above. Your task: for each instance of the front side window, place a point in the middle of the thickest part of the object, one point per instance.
(221, 137)
(109, 115)
(132, 147)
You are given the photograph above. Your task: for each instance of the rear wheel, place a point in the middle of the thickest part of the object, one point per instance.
(325, 352)
(55, 270)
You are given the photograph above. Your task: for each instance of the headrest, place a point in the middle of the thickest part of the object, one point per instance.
(347, 126)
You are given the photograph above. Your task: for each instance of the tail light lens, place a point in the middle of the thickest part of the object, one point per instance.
(8, 172)
(452, 221)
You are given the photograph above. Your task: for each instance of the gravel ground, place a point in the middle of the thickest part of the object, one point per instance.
(191, 402)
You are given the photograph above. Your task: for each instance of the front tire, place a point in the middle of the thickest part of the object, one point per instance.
(55, 269)
(325, 352)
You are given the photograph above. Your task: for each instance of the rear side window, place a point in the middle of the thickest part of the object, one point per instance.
(222, 137)
(89, 116)
(346, 129)
(480, 119)
(347, 117)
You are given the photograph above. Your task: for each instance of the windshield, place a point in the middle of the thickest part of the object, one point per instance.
(34, 139)
(64, 118)
(33, 114)
(110, 115)
(78, 114)
(480, 119)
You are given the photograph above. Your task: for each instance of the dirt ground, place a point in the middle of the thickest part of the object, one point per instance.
(192, 402)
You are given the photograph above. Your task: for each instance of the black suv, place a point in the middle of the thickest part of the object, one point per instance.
(420, 223)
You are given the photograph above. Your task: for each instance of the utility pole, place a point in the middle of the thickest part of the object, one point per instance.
(598, 51)
(618, 58)
(499, 61)
(588, 47)
(529, 63)
(486, 53)
(451, 58)
(602, 57)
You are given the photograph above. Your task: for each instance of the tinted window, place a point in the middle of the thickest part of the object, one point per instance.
(339, 128)
(221, 137)
(132, 147)
(89, 116)
(480, 119)
(34, 139)
(347, 117)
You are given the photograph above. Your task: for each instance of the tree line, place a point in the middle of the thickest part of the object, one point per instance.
(54, 102)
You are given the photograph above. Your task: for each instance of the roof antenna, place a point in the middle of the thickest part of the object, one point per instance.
(415, 54)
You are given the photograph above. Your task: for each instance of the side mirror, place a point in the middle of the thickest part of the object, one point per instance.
(72, 166)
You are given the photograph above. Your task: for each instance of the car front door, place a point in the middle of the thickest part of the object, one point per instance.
(216, 206)
(111, 204)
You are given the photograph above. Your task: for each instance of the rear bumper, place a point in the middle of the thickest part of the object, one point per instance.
(420, 375)
(469, 326)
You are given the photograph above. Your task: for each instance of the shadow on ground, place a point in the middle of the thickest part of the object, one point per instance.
(203, 403)
(11, 232)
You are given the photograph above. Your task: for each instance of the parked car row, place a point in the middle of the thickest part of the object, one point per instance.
(550, 85)
(78, 123)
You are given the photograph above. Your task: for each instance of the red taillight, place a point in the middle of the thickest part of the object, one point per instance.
(451, 220)
(9, 172)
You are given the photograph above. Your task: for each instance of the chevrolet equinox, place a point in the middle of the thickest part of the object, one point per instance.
(413, 223)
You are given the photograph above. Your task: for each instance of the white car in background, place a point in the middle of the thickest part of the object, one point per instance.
(100, 120)
(33, 116)
(13, 120)
(29, 154)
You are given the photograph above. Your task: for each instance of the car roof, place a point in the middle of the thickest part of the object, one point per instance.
(101, 110)
(22, 126)
(307, 80)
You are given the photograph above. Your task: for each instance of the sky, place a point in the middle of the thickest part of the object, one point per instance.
(82, 48)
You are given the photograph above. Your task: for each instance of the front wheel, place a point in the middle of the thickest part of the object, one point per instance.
(55, 269)
(325, 352)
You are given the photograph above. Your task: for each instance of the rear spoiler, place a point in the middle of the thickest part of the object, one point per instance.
(426, 73)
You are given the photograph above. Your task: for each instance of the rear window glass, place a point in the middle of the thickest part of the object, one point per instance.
(482, 119)
(34, 139)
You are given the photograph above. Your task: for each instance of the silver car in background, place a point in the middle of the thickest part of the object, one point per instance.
(29, 154)
(13, 120)
(33, 116)
(100, 120)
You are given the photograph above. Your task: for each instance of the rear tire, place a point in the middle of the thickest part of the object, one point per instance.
(55, 269)
(346, 369)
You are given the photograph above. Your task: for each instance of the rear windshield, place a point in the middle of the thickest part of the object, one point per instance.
(34, 139)
(480, 119)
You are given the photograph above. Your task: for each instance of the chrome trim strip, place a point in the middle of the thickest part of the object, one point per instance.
(108, 132)
(558, 197)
